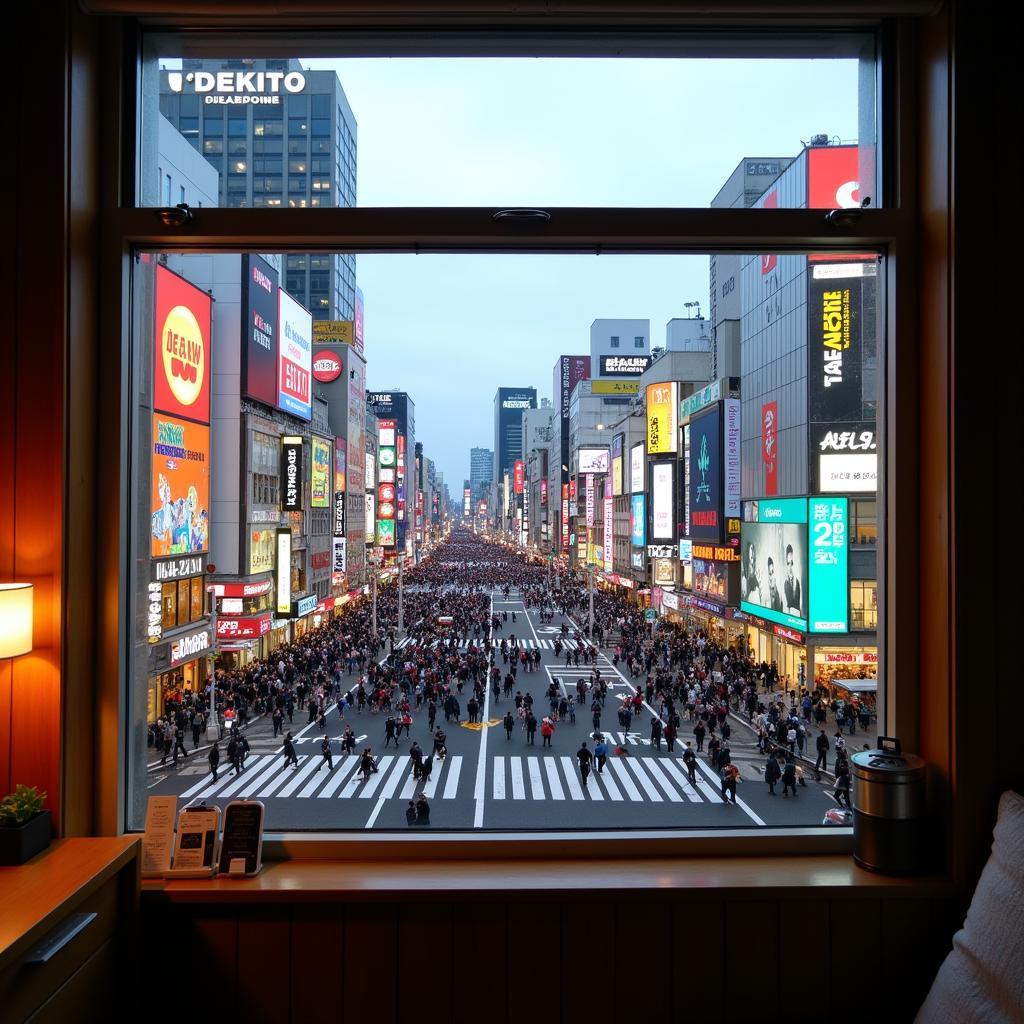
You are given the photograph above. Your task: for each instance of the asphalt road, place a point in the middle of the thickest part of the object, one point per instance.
(490, 782)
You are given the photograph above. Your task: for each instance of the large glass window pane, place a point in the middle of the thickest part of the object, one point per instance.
(709, 477)
(689, 131)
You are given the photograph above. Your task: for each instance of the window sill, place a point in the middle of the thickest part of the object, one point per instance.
(327, 881)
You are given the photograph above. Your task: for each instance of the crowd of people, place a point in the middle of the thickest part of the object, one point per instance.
(461, 655)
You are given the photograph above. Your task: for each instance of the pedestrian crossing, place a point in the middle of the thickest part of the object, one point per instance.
(516, 777)
(269, 776)
(625, 779)
(525, 643)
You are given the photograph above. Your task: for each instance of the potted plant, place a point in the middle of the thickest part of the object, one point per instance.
(25, 827)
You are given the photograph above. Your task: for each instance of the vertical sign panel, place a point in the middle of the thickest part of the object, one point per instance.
(663, 519)
(295, 357)
(259, 329)
(770, 447)
(590, 499)
(291, 473)
(284, 571)
(181, 359)
(827, 520)
(609, 526)
(662, 418)
(705, 483)
(731, 441)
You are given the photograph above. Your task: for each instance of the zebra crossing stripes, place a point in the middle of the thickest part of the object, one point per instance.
(269, 776)
(463, 645)
(638, 780)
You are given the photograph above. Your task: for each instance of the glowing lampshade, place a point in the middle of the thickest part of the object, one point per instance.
(15, 619)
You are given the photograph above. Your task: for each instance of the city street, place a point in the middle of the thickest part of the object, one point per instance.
(488, 781)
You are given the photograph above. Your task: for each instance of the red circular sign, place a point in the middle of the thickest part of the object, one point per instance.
(326, 367)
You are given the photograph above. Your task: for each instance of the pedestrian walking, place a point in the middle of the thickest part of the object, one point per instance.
(600, 753)
(584, 758)
(509, 723)
(214, 758)
(690, 760)
(730, 775)
(772, 773)
(822, 745)
(325, 750)
(289, 751)
(547, 730)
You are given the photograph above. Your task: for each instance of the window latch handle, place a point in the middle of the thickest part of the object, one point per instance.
(174, 216)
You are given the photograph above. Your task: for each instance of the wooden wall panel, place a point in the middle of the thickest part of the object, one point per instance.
(590, 941)
(370, 969)
(317, 947)
(479, 936)
(425, 942)
(751, 950)
(265, 965)
(805, 940)
(534, 961)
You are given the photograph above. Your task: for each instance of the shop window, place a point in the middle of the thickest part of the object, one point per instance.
(863, 521)
(864, 604)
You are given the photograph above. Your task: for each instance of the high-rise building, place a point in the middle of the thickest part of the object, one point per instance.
(744, 187)
(399, 408)
(481, 471)
(292, 144)
(509, 404)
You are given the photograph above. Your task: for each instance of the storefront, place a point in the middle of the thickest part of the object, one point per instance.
(179, 667)
(302, 615)
(779, 645)
(713, 618)
(832, 664)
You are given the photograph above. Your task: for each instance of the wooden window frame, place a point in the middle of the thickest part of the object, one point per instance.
(892, 230)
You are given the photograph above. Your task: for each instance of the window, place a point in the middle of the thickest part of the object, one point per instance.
(181, 193)
(864, 604)
(863, 521)
(167, 190)
(330, 288)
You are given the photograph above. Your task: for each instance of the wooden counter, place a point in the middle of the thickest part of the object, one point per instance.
(77, 978)
(562, 941)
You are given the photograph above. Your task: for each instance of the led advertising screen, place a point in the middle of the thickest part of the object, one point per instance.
(663, 506)
(262, 544)
(320, 473)
(371, 515)
(637, 478)
(284, 571)
(773, 581)
(370, 472)
(259, 329)
(181, 357)
(518, 470)
(705, 483)
(842, 354)
(386, 533)
(662, 418)
(592, 460)
(828, 530)
(624, 366)
(638, 520)
(609, 531)
(180, 518)
(295, 357)
(618, 443)
(291, 473)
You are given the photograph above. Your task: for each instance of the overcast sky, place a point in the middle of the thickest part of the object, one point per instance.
(513, 132)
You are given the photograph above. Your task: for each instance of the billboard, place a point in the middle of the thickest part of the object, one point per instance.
(637, 478)
(828, 528)
(320, 473)
(615, 387)
(339, 562)
(544, 491)
(284, 571)
(624, 366)
(731, 457)
(386, 533)
(262, 544)
(842, 318)
(180, 492)
(618, 444)
(770, 447)
(465, 501)
(332, 332)
(705, 477)
(518, 471)
(181, 357)
(370, 472)
(291, 473)
(371, 515)
(340, 483)
(663, 505)
(357, 322)
(662, 418)
(774, 561)
(609, 531)
(592, 460)
(589, 491)
(295, 357)
(638, 520)
(833, 177)
(259, 329)
(565, 518)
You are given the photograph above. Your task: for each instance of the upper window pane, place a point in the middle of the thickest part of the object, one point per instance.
(625, 132)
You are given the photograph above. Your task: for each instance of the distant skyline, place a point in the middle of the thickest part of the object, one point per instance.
(451, 329)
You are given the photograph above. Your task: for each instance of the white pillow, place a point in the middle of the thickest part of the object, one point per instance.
(982, 979)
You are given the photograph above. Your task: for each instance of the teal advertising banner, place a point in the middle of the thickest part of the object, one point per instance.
(773, 581)
(828, 531)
